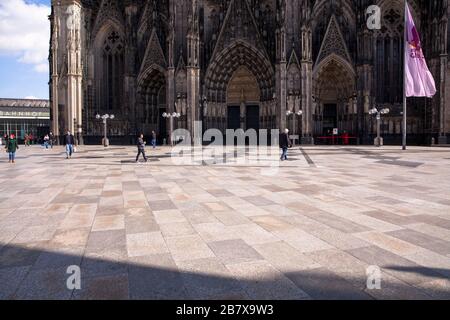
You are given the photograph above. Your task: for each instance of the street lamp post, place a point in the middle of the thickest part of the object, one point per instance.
(171, 116)
(378, 114)
(294, 114)
(105, 118)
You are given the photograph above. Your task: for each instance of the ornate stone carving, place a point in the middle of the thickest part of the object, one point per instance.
(333, 43)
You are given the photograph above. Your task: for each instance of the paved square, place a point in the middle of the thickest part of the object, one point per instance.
(223, 228)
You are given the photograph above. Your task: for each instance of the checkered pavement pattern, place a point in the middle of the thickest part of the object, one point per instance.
(221, 228)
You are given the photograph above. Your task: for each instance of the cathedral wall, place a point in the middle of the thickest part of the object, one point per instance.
(279, 42)
(447, 101)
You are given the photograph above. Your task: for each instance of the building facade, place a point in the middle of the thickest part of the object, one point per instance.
(243, 64)
(24, 116)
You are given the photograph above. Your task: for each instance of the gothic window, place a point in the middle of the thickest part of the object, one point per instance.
(389, 58)
(112, 62)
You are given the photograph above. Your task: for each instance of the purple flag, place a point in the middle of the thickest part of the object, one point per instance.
(418, 78)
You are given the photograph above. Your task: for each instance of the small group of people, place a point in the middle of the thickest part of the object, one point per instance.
(49, 140)
(141, 145)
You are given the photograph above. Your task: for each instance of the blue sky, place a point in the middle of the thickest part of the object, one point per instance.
(24, 36)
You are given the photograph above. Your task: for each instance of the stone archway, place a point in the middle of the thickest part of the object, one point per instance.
(243, 94)
(334, 88)
(151, 102)
(238, 64)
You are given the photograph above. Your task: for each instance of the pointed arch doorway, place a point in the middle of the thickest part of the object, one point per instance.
(334, 93)
(151, 103)
(240, 78)
(243, 98)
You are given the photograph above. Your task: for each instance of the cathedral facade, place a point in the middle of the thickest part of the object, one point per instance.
(307, 65)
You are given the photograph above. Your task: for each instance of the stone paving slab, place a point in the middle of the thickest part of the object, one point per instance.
(308, 228)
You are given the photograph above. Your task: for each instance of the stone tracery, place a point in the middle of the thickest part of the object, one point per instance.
(181, 56)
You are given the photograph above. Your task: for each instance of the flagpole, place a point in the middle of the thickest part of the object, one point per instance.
(404, 80)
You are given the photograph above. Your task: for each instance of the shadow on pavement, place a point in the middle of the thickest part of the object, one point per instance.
(30, 273)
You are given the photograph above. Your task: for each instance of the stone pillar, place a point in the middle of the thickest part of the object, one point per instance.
(131, 12)
(307, 82)
(364, 81)
(307, 105)
(281, 95)
(79, 114)
(74, 100)
(193, 93)
(170, 87)
(170, 76)
(193, 74)
(55, 76)
(281, 77)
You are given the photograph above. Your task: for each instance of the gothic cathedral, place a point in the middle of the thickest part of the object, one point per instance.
(231, 64)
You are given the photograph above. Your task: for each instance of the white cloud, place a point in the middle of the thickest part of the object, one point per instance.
(31, 98)
(25, 32)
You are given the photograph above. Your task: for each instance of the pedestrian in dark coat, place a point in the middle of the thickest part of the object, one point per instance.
(69, 141)
(141, 148)
(11, 148)
(52, 139)
(285, 144)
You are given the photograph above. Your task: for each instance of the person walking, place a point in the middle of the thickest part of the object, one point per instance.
(27, 139)
(141, 148)
(11, 148)
(51, 139)
(46, 141)
(154, 139)
(285, 144)
(69, 141)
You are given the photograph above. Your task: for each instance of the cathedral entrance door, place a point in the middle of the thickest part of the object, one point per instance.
(234, 117)
(252, 118)
(329, 119)
(334, 88)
